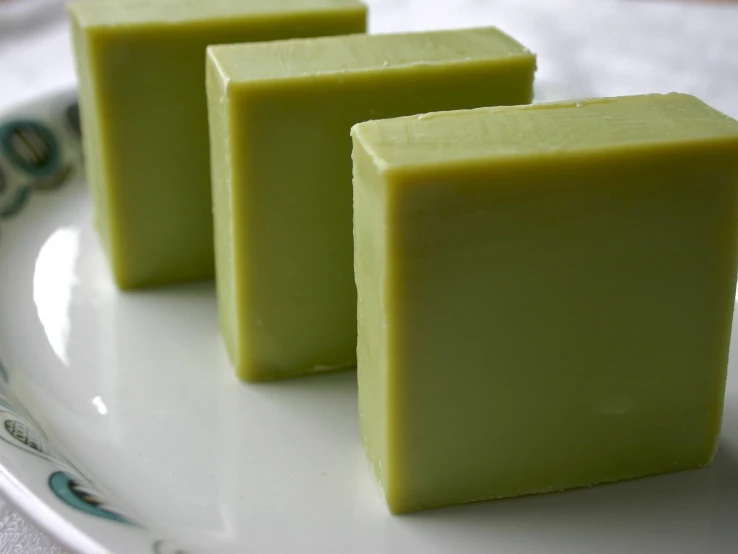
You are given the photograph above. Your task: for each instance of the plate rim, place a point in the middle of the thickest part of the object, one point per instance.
(49, 519)
(44, 517)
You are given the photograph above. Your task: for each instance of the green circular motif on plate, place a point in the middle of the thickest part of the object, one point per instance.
(30, 146)
(82, 497)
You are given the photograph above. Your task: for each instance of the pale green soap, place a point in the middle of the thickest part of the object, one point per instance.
(280, 117)
(141, 67)
(545, 294)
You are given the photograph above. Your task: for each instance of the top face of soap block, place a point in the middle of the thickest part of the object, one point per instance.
(290, 59)
(552, 129)
(154, 12)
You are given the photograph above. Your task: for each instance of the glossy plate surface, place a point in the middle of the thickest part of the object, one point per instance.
(124, 429)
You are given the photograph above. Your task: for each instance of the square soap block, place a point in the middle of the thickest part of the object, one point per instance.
(281, 115)
(545, 294)
(141, 67)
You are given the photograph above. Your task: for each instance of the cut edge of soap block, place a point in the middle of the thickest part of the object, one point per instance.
(218, 128)
(371, 236)
(371, 165)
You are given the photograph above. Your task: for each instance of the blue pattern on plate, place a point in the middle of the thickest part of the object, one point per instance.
(83, 496)
(30, 146)
(41, 153)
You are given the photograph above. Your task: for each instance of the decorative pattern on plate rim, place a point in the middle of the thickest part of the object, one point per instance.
(83, 496)
(40, 150)
(35, 156)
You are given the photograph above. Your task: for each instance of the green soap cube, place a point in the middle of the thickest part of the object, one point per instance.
(141, 67)
(281, 115)
(545, 294)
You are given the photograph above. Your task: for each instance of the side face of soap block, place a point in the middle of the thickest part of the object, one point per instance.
(281, 115)
(141, 68)
(545, 295)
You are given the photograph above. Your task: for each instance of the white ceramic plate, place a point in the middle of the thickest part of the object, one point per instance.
(124, 429)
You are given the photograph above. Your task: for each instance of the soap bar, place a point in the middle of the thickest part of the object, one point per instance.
(141, 68)
(545, 294)
(281, 115)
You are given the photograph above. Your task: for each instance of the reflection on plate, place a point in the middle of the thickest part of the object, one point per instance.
(40, 152)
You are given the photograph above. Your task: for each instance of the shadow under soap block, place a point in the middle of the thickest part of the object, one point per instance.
(280, 121)
(545, 294)
(141, 67)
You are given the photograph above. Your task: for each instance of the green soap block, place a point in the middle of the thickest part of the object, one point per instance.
(281, 115)
(545, 294)
(141, 67)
